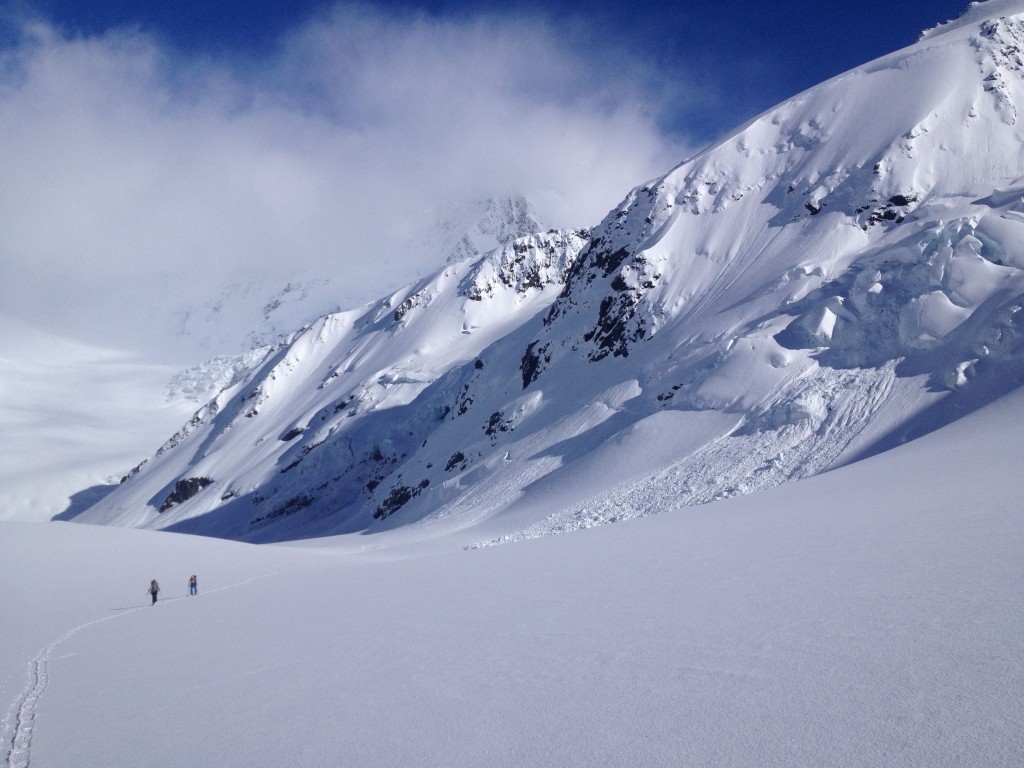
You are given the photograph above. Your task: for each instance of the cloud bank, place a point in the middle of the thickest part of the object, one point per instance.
(133, 175)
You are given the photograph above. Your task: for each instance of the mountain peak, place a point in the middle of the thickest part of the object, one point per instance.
(501, 221)
(837, 275)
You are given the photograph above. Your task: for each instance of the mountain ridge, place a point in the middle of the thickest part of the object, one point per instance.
(835, 276)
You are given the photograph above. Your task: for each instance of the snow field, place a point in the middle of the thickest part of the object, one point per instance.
(75, 418)
(863, 617)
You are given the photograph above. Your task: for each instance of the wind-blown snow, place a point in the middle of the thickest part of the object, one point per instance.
(865, 617)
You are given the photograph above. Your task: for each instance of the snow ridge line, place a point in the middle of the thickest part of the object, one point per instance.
(20, 718)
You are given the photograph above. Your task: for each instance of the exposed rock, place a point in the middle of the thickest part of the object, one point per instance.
(184, 490)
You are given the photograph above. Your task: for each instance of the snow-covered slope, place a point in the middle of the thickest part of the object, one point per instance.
(343, 400)
(866, 617)
(839, 275)
(76, 415)
(258, 309)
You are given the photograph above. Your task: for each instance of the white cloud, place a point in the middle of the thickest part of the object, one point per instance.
(130, 174)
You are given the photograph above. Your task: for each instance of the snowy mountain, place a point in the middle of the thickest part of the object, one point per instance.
(76, 415)
(465, 230)
(366, 383)
(838, 276)
(262, 309)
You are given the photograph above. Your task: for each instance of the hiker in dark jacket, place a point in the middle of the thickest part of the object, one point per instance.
(154, 588)
(192, 585)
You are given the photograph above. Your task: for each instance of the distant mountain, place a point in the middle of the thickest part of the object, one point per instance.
(839, 275)
(250, 315)
(465, 231)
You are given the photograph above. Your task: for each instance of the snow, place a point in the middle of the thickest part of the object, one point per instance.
(771, 400)
(823, 283)
(867, 616)
(74, 419)
(77, 416)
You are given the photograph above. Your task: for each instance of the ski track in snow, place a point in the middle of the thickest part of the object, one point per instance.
(18, 726)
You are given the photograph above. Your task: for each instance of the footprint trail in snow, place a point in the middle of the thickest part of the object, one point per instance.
(18, 725)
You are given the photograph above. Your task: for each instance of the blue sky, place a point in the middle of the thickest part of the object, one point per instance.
(156, 149)
(747, 55)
